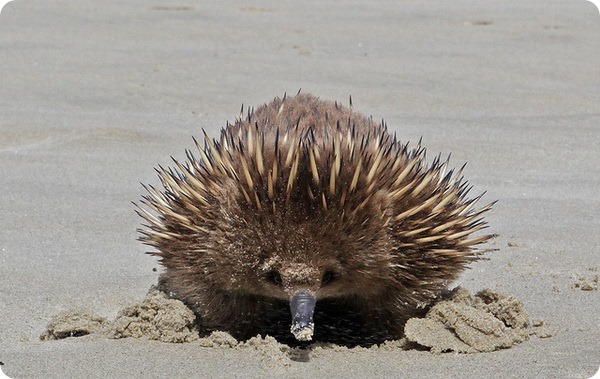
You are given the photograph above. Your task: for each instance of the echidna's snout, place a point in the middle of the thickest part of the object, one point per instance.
(302, 305)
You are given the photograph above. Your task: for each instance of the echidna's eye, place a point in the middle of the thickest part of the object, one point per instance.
(275, 277)
(328, 276)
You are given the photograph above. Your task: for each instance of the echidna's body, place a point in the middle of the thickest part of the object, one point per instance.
(307, 200)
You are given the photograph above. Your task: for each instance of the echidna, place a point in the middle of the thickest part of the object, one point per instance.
(306, 208)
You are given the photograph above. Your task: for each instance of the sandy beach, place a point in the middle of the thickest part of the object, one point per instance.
(94, 95)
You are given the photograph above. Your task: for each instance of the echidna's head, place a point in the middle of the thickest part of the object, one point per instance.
(331, 206)
(301, 254)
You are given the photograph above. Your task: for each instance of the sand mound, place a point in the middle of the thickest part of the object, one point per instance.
(73, 324)
(219, 339)
(464, 323)
(157, 318)
(459, 322)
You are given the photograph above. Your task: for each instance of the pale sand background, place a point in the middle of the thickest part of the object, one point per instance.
(93, 95)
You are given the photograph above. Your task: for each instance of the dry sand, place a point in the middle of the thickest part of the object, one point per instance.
(96, 94)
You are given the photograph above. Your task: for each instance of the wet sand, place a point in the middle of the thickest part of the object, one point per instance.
(94, 95)
(458, 322)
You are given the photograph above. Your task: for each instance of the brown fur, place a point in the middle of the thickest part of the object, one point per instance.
(305, 194)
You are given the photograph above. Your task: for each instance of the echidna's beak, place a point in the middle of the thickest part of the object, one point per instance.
(302, 305)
